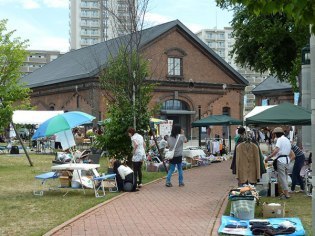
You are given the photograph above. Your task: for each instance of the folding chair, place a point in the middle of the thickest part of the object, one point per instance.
(102, 182)
(40, 185)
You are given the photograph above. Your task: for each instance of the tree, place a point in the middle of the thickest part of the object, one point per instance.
(270, 42)
(13, 94)
(121, 112)
(124, 80)
(301, 11)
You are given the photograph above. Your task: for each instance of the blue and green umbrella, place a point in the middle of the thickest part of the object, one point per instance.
(62, 122)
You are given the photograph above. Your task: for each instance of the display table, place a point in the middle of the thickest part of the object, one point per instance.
(85, 175)
(76, 166)
(193, 155)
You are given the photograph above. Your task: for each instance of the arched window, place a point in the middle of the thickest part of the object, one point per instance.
(52, 106)
(226, 111)
(175, 105)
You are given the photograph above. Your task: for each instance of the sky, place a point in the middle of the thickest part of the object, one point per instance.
(45, 23)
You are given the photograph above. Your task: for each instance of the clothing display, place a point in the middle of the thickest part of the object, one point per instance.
(215, 147)
(247, 163)
(262, 165)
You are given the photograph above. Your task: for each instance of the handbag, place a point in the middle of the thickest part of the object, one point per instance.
(170, 154)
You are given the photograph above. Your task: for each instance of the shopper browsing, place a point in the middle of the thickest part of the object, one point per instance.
(282, 152)
(138, 153)
(299, 158)
(177, 134)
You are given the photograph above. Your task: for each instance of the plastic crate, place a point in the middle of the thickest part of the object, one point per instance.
(243, 209)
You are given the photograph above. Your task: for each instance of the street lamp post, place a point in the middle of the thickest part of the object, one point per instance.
(199, 117)
(306, 94)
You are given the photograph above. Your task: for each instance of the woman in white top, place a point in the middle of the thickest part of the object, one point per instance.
(125, 177)
(138, 146)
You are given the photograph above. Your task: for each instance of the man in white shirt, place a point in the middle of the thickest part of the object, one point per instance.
(282, 152)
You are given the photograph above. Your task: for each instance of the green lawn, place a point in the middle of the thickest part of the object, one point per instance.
(22, 213)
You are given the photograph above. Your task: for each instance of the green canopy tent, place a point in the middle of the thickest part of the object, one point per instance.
(216, 120)
(283, 114)
(223, 120)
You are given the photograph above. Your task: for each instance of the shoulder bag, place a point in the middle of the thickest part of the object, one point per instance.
(170, 154)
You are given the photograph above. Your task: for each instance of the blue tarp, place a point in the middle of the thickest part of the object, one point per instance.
(274, 221)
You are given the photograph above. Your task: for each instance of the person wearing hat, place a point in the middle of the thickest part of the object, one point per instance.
(240, 135)
(282, 152)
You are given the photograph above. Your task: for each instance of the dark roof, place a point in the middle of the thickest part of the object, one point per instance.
(272, 83)
(85, 62)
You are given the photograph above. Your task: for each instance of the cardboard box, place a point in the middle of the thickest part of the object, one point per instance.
(273, 210)
(64, 181)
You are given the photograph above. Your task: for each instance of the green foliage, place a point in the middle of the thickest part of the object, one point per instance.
(124, 73)
(12, 93)
(302, 12)
(269, 43)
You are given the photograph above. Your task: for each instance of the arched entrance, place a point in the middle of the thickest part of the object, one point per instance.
(178, 111)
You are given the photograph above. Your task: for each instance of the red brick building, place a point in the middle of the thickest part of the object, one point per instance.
(190, 75)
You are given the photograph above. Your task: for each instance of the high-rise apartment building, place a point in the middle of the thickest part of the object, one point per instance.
(219, 40)
(94, 21)
(37, 59)
(222, 41)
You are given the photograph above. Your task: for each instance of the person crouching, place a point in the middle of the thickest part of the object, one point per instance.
(125, 177)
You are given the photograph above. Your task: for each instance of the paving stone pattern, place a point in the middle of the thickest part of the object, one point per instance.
(157, 210)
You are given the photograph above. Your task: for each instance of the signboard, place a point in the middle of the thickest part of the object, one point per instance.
(166, 128)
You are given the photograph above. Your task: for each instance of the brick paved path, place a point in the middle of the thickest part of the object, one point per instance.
(158, 210)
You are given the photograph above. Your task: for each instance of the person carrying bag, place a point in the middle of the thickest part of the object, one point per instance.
(170, 154)
(176, 143)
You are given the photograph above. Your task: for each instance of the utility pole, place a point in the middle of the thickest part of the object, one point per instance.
(312, 49)
(134, 100)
